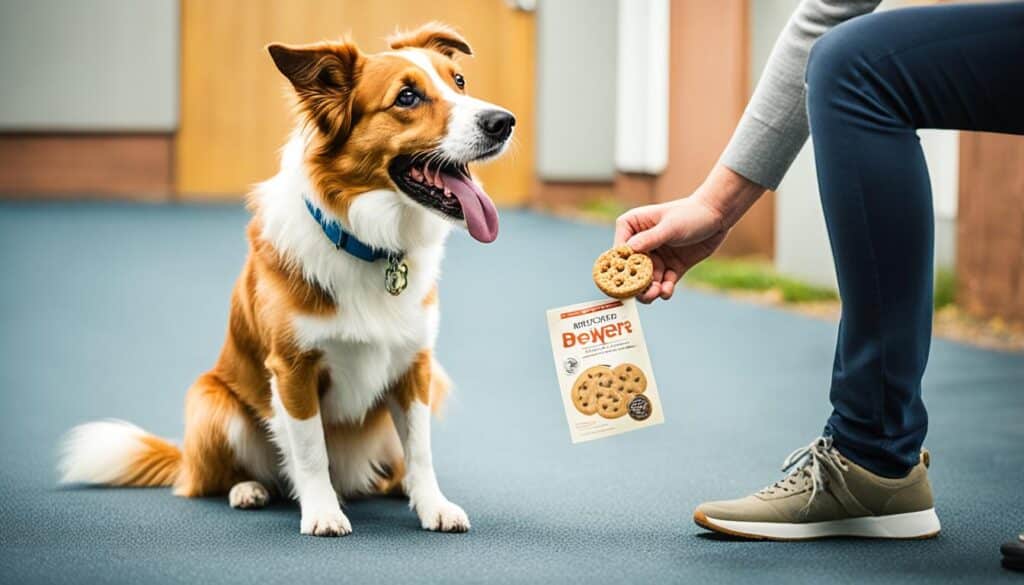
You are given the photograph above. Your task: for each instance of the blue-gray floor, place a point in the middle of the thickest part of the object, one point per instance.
(112, 310)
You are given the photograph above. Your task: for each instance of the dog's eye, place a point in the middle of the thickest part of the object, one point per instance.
(460, 81)
(407, 98)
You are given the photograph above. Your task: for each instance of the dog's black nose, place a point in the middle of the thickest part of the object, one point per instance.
(497, 124)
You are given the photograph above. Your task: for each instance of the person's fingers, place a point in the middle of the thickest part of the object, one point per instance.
(667, 290)
(674, 262)
(623, 228)
(689, 256)
(659, 267)
(650, 294)
(650, 239)
(668, 284)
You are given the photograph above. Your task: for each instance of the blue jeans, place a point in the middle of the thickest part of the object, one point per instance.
(871, 83)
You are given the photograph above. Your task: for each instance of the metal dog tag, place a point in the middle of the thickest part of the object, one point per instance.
(396, 277)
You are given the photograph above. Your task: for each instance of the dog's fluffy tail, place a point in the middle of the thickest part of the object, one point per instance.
(117, 453)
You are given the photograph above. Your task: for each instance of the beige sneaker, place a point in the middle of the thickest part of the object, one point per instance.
(828, 495)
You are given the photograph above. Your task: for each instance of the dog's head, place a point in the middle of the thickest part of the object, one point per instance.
(399, 120)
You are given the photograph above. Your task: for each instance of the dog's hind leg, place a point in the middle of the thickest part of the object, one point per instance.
(248, 495)
(257, 457)
(366, 459)
(209, 465)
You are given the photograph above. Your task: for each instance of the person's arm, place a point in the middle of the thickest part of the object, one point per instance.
(679, 234)
(773, 128)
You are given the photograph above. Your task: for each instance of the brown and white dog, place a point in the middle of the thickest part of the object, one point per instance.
(326, 381)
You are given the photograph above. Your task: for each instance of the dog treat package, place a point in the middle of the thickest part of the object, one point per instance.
(604, 372)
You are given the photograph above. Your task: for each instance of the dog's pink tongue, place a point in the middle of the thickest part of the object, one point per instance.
(477, 207)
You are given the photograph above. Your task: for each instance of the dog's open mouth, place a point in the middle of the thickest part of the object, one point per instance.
(448, 189)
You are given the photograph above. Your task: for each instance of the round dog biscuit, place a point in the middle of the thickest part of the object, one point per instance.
(588, 385)
(611, 403)
(623, 273)
(629, 379)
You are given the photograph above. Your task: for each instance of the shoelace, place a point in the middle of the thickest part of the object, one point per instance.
(814, 461)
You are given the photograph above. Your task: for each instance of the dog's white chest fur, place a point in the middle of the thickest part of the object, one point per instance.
(373, 337)
(362, 367)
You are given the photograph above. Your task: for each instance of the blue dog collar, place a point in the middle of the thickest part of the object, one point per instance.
(396, 275)
(343, 240)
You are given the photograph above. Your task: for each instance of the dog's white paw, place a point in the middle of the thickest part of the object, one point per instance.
(248, 495)
(325, 523)
(440, 515)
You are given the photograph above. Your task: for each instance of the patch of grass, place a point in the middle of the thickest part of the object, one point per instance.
(945, 288)
(759, 276)
(795, 291)
(755, 275)
(603, 208)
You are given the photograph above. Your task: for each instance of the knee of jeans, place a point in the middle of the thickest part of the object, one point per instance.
(834, 59)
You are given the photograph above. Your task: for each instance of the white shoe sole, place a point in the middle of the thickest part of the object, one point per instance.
(923, 524)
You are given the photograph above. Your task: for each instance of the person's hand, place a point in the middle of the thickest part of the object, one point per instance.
(679, 234)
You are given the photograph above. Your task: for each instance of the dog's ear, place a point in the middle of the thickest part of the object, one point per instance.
(324, 77)
(436, 36)
(318, 68)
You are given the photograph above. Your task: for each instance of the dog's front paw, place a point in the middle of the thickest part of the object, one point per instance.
(325, 523)
(441, 515)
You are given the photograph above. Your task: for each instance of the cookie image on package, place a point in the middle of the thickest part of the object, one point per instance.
(623, 273)
(629, 379)
(611, 403)
(591, 384)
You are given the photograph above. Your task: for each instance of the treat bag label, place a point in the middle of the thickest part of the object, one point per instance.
(604, 372)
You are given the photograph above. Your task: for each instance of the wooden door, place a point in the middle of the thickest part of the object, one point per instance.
(990, 235)
(234, 117)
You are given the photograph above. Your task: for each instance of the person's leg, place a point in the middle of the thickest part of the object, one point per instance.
(871, 83)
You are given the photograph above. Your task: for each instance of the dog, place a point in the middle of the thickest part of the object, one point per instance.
(326, 383)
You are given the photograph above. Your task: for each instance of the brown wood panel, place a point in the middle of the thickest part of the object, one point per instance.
(709, 62)
(569, 195)
(234, 117)
(129, 166)
(990, 231)
(628, 189)
(635, 188)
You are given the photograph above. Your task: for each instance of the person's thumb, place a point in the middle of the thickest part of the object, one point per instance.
(648, 240)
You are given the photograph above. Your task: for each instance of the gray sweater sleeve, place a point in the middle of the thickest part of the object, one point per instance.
(774, 126)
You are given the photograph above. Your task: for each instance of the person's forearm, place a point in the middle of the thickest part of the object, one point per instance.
(729, 194)
(774, 125)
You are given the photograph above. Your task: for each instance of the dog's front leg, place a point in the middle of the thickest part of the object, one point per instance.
(410, 410)
(299, 433)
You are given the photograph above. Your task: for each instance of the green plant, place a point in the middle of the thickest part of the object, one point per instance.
(755, 275)
(945, 288)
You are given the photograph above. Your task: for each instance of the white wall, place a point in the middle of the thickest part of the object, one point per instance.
(89, 65)
(576, 88)
(942, 151)
(801, 247)
(641, 130)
